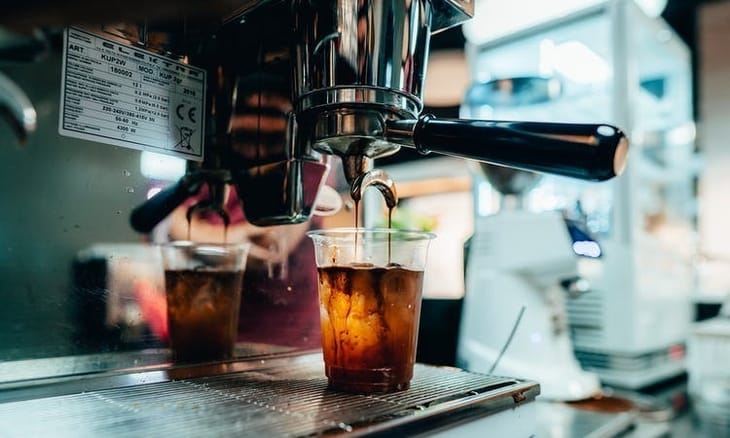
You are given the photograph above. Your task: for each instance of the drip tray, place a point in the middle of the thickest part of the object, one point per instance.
(275, 396)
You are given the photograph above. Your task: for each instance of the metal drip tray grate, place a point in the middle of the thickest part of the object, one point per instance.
(281, 399)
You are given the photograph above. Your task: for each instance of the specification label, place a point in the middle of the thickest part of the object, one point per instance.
(116, 94)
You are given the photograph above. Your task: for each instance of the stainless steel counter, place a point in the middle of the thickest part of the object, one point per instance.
(33, 371)
(275, 389)
(282, 394)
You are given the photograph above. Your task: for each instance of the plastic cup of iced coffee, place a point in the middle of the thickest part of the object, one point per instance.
(370, 283)
(203, 285)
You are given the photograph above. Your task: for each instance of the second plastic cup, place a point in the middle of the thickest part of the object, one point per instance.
(203, 285)
(370, 283)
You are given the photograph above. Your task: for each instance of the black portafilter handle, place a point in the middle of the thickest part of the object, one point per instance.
(594, 152)
(146, 216)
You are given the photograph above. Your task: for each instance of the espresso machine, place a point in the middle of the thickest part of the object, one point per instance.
(347, 80)
(260, 95)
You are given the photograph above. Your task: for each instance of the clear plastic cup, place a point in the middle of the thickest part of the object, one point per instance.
(203, 283)
(370, 283)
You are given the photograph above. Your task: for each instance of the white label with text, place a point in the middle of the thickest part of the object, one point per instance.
(116, 94)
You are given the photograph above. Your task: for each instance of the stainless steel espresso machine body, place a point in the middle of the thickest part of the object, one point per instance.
(289, 84)
(338, 78)
(344, 69)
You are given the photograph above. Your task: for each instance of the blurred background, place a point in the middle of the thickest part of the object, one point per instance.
(628, 280)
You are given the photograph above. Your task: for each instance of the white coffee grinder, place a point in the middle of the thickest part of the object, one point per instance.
(520, 268)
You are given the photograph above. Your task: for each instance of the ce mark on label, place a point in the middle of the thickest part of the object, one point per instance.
(184, 110)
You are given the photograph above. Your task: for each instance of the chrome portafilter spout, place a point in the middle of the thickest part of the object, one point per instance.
(380, 180)
(214, 203)
(355, 167)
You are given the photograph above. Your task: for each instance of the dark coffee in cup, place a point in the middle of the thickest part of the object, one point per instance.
(202, 309)
(369, 326)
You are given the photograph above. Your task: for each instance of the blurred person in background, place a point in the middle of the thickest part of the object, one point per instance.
(279, 303)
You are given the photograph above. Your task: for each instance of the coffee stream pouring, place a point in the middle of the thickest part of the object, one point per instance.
(292, 82)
